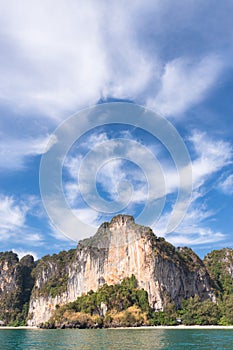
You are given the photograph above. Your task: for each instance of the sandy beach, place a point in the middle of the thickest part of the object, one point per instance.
(177, 327)
(142, 327)
(20, 327)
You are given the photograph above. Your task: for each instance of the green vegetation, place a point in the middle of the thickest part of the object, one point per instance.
(14, 300)
(189, 258)
(100, 239)
(168, 317)
(55, 267)
(118, 297)
(220, 266)
(9, 257)
(125, 305)
(195, 312)
(226, 310)
(192, 312)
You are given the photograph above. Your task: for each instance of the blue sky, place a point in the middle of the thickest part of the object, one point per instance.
(173, 58)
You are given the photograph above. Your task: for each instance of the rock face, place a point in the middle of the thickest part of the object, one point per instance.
(119, 249)
(16, 283)
(220, 261)
(220, 266)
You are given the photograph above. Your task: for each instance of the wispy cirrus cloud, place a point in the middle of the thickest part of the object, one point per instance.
(209, 157)
(14, 153)
(109, 171)
(51, 66)
(202, 236)
(226, 185)
(57, 58)
(60, 64)
(13, 218)
(194, 230)
(185, 83)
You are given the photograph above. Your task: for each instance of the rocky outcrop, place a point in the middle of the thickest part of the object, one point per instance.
(50, 289)
(16, 283)
(219, 263)
(119, 249)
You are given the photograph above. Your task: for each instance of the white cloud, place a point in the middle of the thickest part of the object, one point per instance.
(21, 253)
(58, 57)
(107, 170)
(54, 232)
(63, 54)
(13, 218)
(227, 185)
(211, 156)
(62, 57)
(202, 237)
(193, 230)
(110, 175)
(72, 193)
(15, 152)
(185, 83)
(71, 58)
(88, 216)
(73, 224)
(12, 215)
(67, 56)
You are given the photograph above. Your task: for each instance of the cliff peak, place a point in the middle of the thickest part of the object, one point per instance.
(120, 231)
(122, 220)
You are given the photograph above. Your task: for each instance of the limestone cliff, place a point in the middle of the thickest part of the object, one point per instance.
(119, 249)
(16, 283)
(220, 266)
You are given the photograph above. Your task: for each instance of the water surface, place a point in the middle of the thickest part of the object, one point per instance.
(123, 339)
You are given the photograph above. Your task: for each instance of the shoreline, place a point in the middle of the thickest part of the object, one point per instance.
(177, 327)
(141, 327)
(18, 327)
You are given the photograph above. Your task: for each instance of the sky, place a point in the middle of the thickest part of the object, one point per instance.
(59, 58)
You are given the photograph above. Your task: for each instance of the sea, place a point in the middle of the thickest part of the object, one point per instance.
(120, 339)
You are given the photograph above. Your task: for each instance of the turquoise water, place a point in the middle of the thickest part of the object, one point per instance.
(113, 339)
